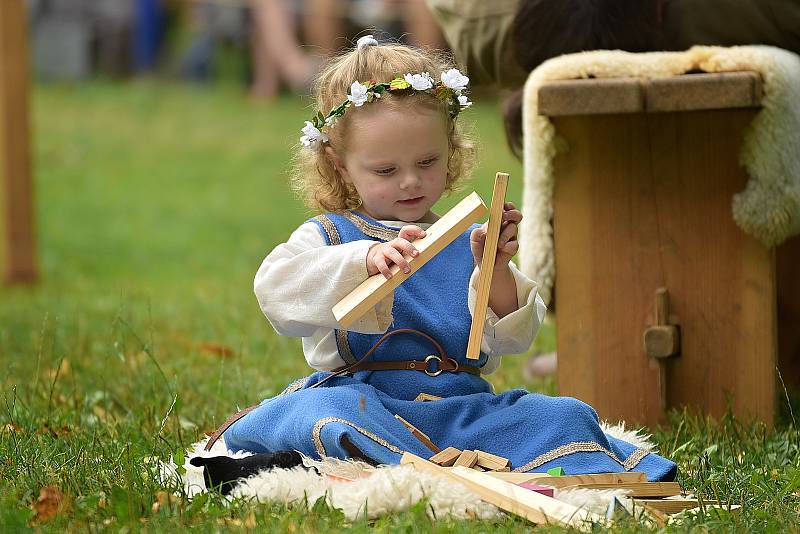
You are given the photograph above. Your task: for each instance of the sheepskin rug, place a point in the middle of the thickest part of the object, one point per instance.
(769, 206)
(360, 490)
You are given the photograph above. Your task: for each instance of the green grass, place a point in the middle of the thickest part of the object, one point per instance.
(156, 204)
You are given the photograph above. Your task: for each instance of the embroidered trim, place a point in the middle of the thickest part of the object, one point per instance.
(294, 386)
(330, 229)
(582, 446)
(341, 335)
(317, 431)
(372, 230)
(634, 459)
(344, 347)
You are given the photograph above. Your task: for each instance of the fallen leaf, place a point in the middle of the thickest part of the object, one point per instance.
(11, 427)
(50, 503)
(62, 371)
(217, 350)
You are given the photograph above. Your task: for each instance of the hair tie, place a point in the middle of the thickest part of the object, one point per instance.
(365, 41)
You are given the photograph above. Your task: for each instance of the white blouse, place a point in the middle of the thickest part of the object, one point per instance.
(299, 282)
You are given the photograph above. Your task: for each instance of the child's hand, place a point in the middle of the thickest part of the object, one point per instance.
(507, 244)
(382, 255)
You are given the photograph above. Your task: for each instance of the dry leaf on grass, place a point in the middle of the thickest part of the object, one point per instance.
(50, 503)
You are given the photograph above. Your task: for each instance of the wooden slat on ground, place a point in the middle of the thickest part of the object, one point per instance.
(533, 506)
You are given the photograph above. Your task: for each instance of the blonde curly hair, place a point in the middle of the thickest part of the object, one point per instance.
(314, 178)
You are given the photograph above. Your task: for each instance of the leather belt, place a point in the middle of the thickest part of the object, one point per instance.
(433, 365)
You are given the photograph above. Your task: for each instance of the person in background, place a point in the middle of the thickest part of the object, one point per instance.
(279, 58)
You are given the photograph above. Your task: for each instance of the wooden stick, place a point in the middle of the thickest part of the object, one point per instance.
(447, 457)
(492, 462)
(517, 478)
(466, 459)
(438, 236)
(600, 478)
(15, 159)
(487, 265)
(635, 489)
(533, 506)
(420, 435)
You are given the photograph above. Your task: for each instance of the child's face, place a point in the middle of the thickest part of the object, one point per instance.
(396, 158)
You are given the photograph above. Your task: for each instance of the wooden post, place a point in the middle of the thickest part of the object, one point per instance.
(15, 164)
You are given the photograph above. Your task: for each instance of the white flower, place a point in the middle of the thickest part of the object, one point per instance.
(367, 40)
(420, 82)
(331, 121)
(312, 137)
(455, 80)
(463, 101)
(358, 94)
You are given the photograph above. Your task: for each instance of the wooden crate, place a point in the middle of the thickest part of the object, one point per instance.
(642, 200)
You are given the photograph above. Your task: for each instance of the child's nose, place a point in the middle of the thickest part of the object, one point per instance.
(410, 180)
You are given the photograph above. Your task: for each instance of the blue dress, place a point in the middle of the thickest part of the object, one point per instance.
(536, 432)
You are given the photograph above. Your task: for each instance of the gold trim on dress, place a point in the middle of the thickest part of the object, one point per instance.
(330, 229)
(341, 335)
(317, 431)
(372, 230)
(294, 386)
(582, 446)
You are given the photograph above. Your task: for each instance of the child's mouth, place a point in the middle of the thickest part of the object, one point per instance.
(410, 201)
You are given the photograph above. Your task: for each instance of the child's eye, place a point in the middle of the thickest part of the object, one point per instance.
(384, 172)
(428, 162)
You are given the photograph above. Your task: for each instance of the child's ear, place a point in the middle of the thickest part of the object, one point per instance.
(338, 164)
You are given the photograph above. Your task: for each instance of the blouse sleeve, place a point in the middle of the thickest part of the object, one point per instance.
(299, 282)
(515, 332)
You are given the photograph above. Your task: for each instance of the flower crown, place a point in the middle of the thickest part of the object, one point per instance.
(449, 90)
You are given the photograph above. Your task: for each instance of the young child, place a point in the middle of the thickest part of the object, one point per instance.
(390, 147)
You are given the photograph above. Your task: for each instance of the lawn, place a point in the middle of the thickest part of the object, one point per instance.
(156, 204)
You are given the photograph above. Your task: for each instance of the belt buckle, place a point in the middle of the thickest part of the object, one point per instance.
(438, 359)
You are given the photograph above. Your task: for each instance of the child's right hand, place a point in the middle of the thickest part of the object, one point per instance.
(382, 256)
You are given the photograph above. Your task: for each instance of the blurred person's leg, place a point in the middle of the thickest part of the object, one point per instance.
(266, 78)
(277, 54)
(324, 23)
(419, 23)
(196, 62)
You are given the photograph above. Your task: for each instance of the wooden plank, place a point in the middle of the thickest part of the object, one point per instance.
(687, 92)
(15, 159)
(634, 489)
(676, 505)
(492, 461)
(533, 506)
(466, 459)
(630, 477)
(487, 265)
(643, 201)
(446, 457)
(788, 295)
(693, 92)
(440, 234)
(517, 478)
(591, 96)
(518, 500)
(668, 506)
(420, 435)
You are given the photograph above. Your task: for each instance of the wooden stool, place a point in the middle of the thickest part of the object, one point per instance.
(643, 228)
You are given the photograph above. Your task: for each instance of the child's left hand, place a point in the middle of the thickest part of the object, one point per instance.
(507, 244)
